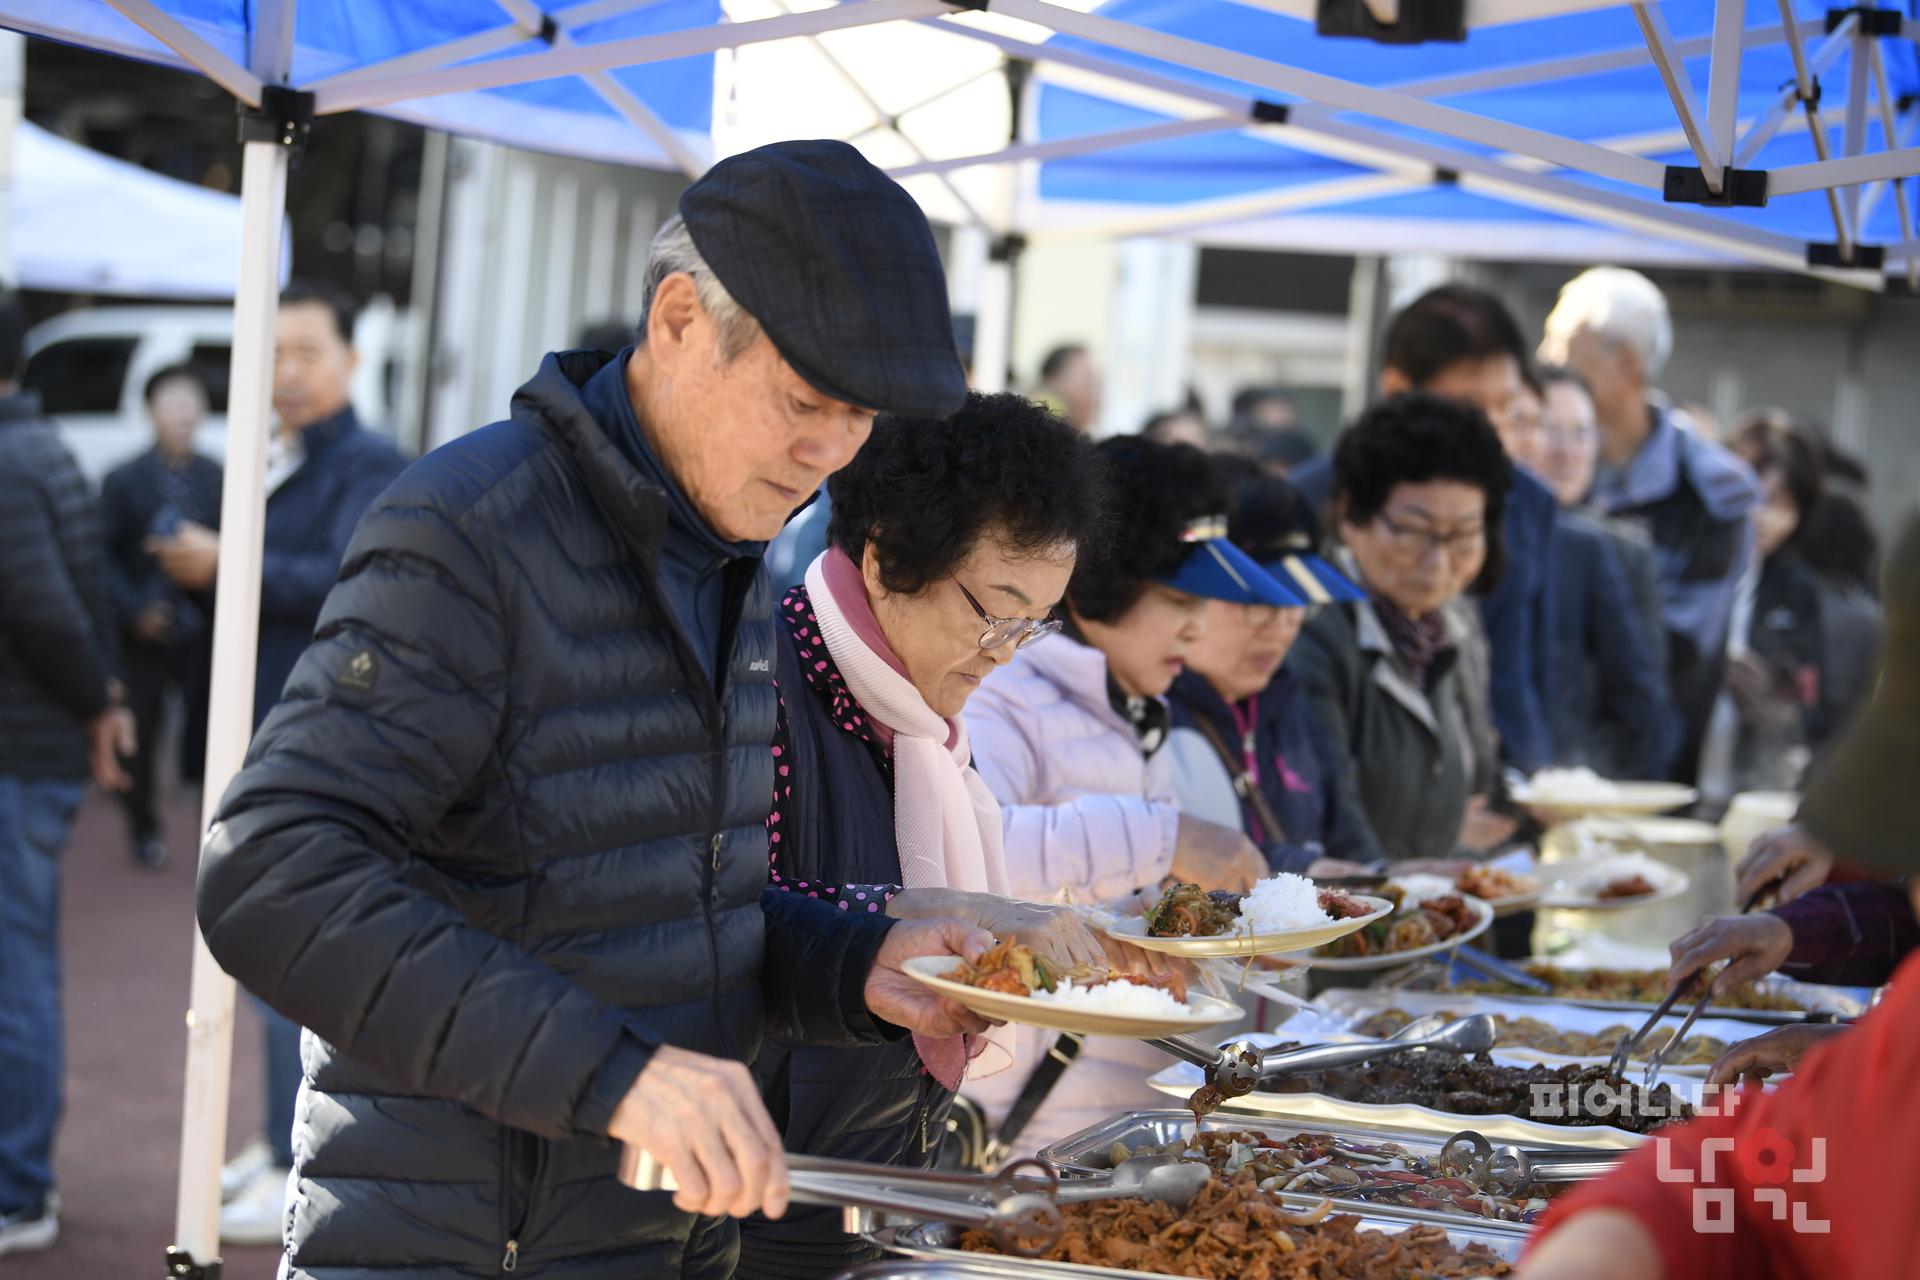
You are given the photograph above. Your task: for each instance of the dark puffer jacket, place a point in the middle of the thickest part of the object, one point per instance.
(501, 838)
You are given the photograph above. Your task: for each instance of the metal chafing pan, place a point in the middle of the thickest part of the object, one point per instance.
(1817, 1002)
(1084, 1154)
(940, 1242)
(923, 1269)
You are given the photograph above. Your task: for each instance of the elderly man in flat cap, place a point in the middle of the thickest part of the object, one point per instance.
(502, 846)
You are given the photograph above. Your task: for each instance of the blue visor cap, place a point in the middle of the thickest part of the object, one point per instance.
(1218, 570)
(1315, 579)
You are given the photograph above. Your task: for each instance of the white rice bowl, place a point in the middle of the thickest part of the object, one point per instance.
(1115, 996)
(1281, 904)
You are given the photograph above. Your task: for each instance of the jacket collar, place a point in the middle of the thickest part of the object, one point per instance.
(1674, 455)
(21, 406)
(321, 436)
(1386, 669)
(1079, 672)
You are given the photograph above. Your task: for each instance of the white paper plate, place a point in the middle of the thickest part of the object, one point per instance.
(1233, 945)
(1613, 798)
(1577, 884)
(1483, 913)
(1204, 1011)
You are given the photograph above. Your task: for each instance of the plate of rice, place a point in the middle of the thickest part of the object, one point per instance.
(1281, 913)
(1012, 984)
(1576, 793)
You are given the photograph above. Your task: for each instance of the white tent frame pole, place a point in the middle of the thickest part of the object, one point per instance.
(1085, 144)
(894, 123)
(1204, 213)
(1479, 13)
(1341, 94)
(1844, 172)
(1673, 74)
(480, 43)
(1803, 92)
(217, 66)
(605, 55)
(1853, 138)
(1763, 130)
(1723, 78)
(1869, 200)
(1902, 130)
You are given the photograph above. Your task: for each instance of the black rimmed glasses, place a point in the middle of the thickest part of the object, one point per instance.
(1457, 545)
(1000, 632)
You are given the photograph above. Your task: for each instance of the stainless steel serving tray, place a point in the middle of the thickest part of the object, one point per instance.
(1814, 998)
(940, 1242)
(911, 1269)
(1084, 1154)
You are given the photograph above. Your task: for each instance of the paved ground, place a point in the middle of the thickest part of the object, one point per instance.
(127, 945)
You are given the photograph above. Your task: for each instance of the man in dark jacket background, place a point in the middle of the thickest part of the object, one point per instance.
(61, 718)
(501, 846)
(324, 469)
(166, 633)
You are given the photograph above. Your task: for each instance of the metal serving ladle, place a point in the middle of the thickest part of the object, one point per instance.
(1241, 1067)
(1511, 1170)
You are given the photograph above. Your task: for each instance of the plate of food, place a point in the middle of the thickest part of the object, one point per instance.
(1562, 794)
(1429, 916)
(1505, 891)
(1012, 984)
(1281, 913)
(1614, 883)
(1773, 999)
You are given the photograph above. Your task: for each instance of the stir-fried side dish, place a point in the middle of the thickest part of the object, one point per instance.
(1532, 1033)
(1493, 884)
(1633, 886)
(1638, 986)
(1433, 920)
(1188, 911)
(1235, 1231)
(1012, 968)
(1453, 1082)
(1347, 1169)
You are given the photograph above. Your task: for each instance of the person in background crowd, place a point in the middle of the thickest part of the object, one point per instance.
(1694, 498)
(1799, 654)
(1263, 426)
(1246, 748)
(1263, 409)
(1796, 1178)
(1607, 697)
(167, 632)
(502, 844)
(324, 470)
(1420, 486)
(1178, 426)
(1070, 386)
(1068, 737)
(62, 718)
(1837, 539)
(953, 540)
(1461, 342)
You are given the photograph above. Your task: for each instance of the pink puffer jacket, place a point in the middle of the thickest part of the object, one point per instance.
(1085, 811)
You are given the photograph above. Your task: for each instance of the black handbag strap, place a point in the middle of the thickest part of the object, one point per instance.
(1243, 785)
(1060, 1056)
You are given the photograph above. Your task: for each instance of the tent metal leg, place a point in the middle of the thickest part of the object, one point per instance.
(236, 621)
(1809, 101)
(1891, 133)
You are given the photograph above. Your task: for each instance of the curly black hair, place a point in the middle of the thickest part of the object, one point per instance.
(923, 492)
(1414, 438)
(1157, 489)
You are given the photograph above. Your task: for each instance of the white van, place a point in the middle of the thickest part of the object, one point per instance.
(91, 369)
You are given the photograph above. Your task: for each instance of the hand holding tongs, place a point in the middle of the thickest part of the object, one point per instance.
(1016, 1204)
(1511, 1170)
(1241, 1067)
(1617, 1065)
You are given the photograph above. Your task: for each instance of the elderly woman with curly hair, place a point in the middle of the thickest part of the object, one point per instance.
(1069, 738)
(1418, 486)
(949, 545)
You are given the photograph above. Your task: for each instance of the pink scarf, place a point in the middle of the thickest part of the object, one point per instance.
(945, 821)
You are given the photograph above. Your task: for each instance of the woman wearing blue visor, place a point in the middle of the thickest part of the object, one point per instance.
(1246, 745)
(1069, 738)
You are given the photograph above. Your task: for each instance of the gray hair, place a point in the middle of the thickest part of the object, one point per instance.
(672, 251)
(1621, 306)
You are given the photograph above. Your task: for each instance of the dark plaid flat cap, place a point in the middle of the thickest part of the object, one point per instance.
(837, 264)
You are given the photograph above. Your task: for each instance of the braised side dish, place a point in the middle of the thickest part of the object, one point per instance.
(1012, 968)
(1347, 1168)
(1188, 911)
(1434, 920)
(1453, 1082)
(1493, 884)
(1532, 1033)
(1630, 986)
(1235, 1231)
(1633, 886)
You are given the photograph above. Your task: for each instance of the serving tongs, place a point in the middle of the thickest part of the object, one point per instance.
(1622, 1052)
(1015, 1205)
(1241, 1067)
(1512, 1170)
(1499, 970)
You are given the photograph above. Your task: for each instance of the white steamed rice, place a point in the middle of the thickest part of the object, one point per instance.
(1115, 997)
(1281, 904)
(1570, 786)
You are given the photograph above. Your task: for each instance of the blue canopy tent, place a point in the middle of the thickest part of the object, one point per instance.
(1746, 130)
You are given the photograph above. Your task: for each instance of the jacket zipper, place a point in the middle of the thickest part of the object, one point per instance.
(511, 1259)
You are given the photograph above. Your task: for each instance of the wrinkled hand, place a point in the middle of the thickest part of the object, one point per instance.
(1788, 855)
(895, 996)
(1482, 830)
(190, 557)
(1216, 857)
(703, 1120)
(1754, 946)
(1057, 934)
(1779, 1050)
(110, 738)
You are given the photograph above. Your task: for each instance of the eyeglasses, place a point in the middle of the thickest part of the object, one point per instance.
(1458, 545)
(1018, 632)
(1261, 616)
